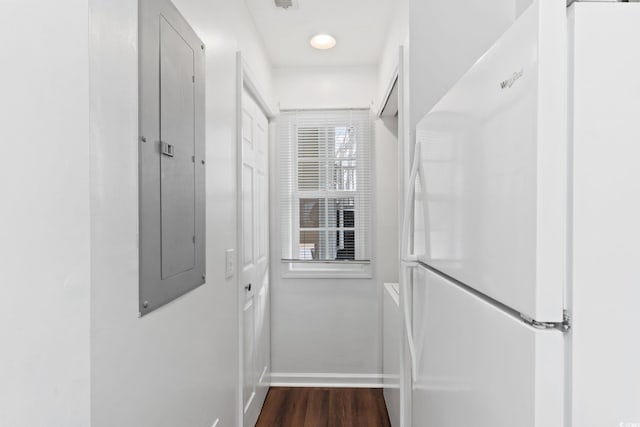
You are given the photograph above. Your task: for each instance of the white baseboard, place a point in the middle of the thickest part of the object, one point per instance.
(295, 379)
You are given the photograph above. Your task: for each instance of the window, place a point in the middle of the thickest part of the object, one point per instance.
(325, 185)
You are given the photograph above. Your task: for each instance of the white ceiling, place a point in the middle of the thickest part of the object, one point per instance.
(359, 26)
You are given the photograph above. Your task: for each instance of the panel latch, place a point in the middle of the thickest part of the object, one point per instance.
(166, 149)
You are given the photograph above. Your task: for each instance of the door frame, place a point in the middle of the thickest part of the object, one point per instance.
(245, 80)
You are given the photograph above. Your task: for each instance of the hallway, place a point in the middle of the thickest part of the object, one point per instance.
(320, 213)
(319, 407)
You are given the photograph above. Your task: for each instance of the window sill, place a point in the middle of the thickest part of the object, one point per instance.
(325, 270)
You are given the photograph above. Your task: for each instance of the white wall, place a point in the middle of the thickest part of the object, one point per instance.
(387, 253)
(395, 132)
(389, 66)
(397, 35)
(390, 132)
(44, 214)
(386, 228)
(393, 338)
(178, 365)
(325, 87)
(331, 328)
(324, 327)
(447, 38)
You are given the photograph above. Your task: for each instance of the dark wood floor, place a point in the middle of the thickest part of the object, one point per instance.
(324, 407)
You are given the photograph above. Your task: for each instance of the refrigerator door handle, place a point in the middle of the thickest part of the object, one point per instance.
(404, 293)
(409, 260)
(406, 219)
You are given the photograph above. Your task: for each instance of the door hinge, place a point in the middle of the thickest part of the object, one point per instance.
(566, 321)
(563, 326)
(193, 79)
(193, 239)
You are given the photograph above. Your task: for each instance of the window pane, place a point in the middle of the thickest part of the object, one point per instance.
(312, 213)
(309, 246)
(343, 142)
(310, 175)
(341, 211)
(341, 245)
(315, 246)
(346, 245)
(349, 219)
(309, 142)
(311, 152)
(344, 175)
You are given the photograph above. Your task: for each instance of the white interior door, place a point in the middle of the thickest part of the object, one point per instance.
(254, 271)
(480, 366)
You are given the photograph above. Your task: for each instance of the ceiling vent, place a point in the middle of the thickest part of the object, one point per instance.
(286, 4)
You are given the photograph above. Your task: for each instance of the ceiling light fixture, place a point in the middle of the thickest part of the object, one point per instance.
(323, 41)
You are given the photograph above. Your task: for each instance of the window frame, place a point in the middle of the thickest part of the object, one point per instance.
(363, 223)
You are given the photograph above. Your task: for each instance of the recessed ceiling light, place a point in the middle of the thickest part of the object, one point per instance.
(323, 41)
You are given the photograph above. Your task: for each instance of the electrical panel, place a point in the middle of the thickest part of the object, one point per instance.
(171, 155)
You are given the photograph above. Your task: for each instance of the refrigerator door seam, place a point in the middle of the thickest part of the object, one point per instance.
(570, 2)
(563, 326)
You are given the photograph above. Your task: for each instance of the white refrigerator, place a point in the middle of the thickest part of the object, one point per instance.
(522, 281)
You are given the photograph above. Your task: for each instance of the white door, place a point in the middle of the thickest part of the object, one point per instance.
(478, 365)
(492, 207)
(253, 256)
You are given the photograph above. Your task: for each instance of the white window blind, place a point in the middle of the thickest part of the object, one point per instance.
(325, 160)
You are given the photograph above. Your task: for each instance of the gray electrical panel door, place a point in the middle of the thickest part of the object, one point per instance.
(177, 170)
(171, 104)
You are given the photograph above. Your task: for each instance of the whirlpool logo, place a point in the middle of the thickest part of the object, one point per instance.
(629, 425)
(506, 84)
